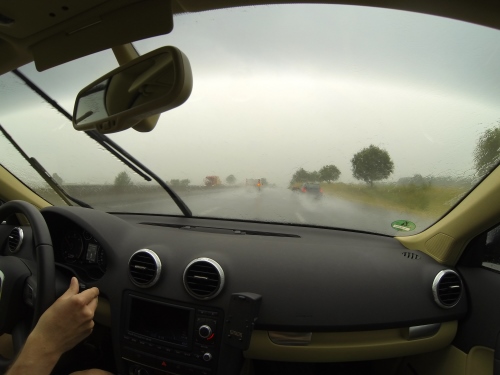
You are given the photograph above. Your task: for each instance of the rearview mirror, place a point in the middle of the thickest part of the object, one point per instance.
(151, 84)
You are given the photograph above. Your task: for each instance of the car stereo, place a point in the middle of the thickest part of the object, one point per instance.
(161, 337)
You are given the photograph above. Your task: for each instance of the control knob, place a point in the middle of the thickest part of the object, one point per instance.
(207, 357)
(205, 331)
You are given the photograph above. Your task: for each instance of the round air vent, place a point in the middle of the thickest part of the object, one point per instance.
(447, 288)
(144, 268)
(203, 278)
(15, 239)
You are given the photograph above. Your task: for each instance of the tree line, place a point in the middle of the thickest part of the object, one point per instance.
(373, 163)
(370, 164)
(122, 179)
(487, 152)
(328, 173)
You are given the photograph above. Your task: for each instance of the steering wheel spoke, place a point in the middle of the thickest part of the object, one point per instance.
(15, 273)
(29, 292)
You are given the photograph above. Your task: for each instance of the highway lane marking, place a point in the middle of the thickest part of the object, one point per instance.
(206, 212)
(300, 217)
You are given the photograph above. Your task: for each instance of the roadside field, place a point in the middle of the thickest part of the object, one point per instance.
(424, 200)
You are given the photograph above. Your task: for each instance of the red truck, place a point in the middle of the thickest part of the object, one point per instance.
(212, 181)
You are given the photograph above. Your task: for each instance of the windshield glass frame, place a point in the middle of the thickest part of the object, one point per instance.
(267, 87)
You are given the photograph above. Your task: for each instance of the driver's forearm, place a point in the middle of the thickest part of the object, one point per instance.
(35, 358)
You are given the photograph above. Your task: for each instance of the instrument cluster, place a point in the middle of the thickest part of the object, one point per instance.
(79, 250)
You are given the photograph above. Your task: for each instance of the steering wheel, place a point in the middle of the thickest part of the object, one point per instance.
(22, 283)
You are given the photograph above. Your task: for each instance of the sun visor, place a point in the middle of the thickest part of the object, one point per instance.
(144, 19)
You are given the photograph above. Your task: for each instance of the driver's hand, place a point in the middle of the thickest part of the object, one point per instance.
(68, 321)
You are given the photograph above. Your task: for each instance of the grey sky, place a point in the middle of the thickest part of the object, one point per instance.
(277, 88)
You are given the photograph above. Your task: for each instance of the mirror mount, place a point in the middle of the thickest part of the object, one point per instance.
(134, 94)
(124, 54)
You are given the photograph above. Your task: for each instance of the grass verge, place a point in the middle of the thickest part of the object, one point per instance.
(427, 200)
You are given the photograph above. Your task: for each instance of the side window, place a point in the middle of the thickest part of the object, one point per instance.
(491, 253)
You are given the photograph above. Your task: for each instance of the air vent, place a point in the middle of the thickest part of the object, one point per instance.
(411, 255)
(203, 278)
(144, 268)
(447, 288)
(15, 239)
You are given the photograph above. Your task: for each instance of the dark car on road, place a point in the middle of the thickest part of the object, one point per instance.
(312, 189)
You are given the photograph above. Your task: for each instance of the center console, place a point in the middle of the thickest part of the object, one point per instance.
(160, 337)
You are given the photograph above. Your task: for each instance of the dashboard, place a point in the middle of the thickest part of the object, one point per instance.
(189, 295)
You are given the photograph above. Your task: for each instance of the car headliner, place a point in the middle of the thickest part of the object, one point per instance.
(17, 45)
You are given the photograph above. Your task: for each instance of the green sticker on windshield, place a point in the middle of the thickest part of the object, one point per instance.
(403, 225)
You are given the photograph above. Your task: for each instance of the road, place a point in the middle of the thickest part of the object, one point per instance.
(277, 205)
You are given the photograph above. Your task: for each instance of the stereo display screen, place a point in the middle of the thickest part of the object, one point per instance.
(159, 321)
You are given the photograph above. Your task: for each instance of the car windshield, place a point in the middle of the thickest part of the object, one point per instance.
(394, 114)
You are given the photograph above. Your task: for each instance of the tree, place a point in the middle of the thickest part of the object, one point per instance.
(314, 176)
(185, 182)
(301, 175)
(329, 173)
(372, 164)
(230, 179)
(419, 181)
(57, 179)
(487, 151)
(122, 179)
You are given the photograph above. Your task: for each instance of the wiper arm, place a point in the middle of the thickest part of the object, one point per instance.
(54, 185)
(45, 175)
(112, 147)
(104, 140)
(62, 111)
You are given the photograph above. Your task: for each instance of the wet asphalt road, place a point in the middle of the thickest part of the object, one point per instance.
(277, 205)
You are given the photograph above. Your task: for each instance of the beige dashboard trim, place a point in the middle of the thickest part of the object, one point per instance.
(480, 361)
(11, 188)
(350, 346)
(450, 360)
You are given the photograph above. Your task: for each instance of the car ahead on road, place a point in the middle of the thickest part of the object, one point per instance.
(312, 189)
(103, 101)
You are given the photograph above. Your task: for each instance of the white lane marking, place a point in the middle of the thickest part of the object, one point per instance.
(206, 212)
(300, 217)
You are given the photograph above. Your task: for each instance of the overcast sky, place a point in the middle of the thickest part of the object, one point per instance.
(277, 88)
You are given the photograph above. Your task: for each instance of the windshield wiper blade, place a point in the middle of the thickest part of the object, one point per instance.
(44, 174)
(112, 147)
(62, 111)
(54, 185)
(103, 139)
